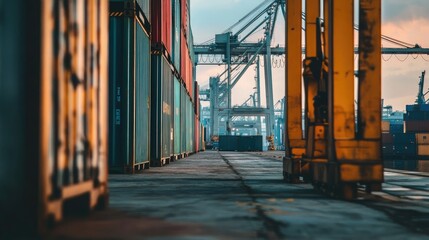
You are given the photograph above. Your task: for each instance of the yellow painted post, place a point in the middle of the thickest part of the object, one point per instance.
(369, 89)
(326, 28)
(295, 145)
(312, 10)
(341, 69)
(311, 72)
(369, 121)
(293, 72)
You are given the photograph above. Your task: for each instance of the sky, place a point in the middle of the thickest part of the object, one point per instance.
(404, 20)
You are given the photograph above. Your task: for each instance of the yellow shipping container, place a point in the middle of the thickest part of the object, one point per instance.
(422, 138)
(385, 126)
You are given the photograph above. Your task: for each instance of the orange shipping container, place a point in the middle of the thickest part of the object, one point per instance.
(423, 150)
(422, 138)
(385, 126)
(161, 23)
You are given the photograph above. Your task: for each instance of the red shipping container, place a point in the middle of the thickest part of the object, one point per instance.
(161, 23)
(184, 12)
(183, 57)
(191, 78)
(191, 83)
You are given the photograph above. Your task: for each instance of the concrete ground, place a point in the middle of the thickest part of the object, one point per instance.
(230, 195)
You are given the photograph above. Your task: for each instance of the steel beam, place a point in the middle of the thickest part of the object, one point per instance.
(294, 142)
(293, 75)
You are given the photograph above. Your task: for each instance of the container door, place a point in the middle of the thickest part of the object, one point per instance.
(142, 93)
(177, 121)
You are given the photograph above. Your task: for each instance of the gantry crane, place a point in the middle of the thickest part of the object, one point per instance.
(238, 56)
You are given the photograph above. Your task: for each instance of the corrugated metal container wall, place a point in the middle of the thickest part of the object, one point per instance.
(183, 119)
(413, 126)
(142, 96)
(161, 21)
(422, 138)
(385, 126)
(129, 92)
(191, 128)
(145, 6)
(196, 134)
(423, 150)
(183, 57)
(176, 34)
(202, 138)
(54, 113)
(197, 98)
(162, 111)
(167, 110)
(177, 118)
(184, 4)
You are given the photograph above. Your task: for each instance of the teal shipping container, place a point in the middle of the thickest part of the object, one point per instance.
(183, 119)
(129, 90)
(177, 113)
(161, 111)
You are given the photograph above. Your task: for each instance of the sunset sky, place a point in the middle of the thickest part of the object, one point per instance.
(404, 20)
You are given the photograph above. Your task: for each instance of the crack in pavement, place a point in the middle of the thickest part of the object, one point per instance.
(272, 227)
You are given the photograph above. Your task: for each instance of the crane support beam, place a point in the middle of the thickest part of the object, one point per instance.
(340, 150)
(252, 48)
(295, 144)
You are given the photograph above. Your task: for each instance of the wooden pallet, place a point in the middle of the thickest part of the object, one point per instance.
(141, 166)
(76, 199)
(160, 162)
(174, 158)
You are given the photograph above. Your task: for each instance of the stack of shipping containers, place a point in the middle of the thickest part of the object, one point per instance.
(88, 100)
(153, 113)
(162, 83)
(129, 82)
(54, 135)
(416, 123)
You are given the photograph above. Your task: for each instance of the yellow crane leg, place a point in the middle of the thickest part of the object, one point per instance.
(295, 144)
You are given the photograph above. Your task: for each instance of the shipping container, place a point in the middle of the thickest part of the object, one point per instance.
(396, 128)
(145, 7)
(423, 150)
(197, 99)
(176, 34)
(240, 143)
(183, 120)
(422, 138)
(186, 66)
(423, 166)
(415, 126)
(53, 79)
(185, 13)
(387, 138)
(190, 121)
(129, 95)
(162, 131)
(161, 22)
(196, 134)
(385, 126)
(202, 137)
(177, 117)
(388, 151)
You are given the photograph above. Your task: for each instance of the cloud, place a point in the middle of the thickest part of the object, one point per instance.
(400, 10)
